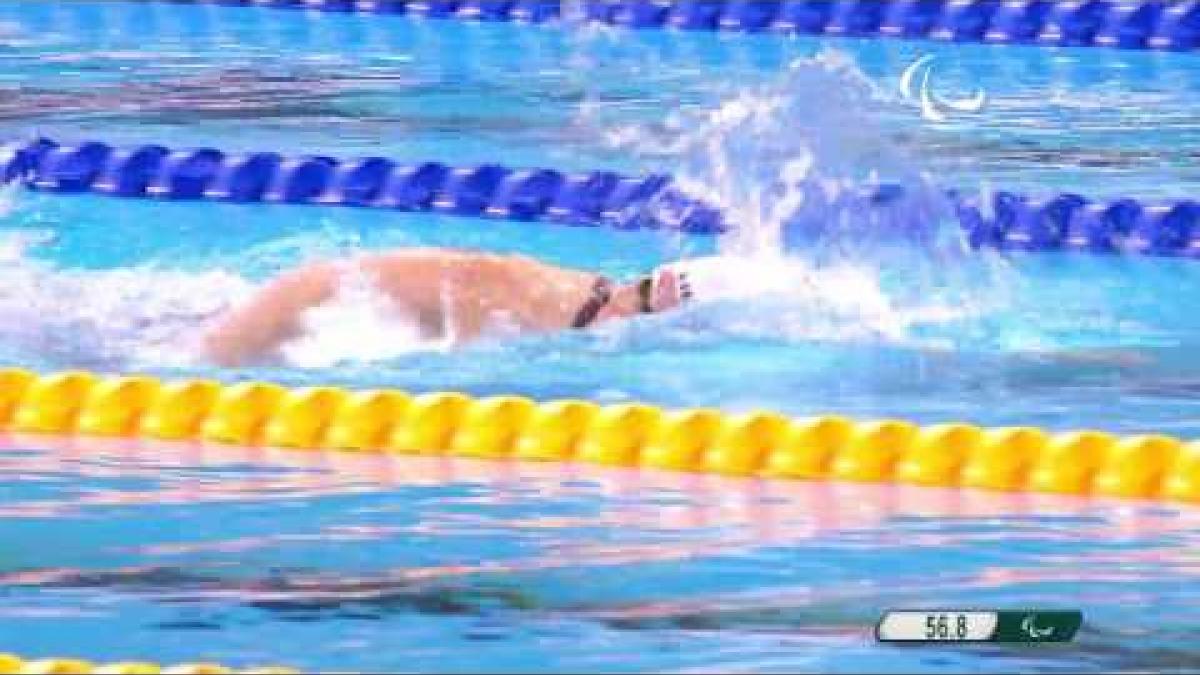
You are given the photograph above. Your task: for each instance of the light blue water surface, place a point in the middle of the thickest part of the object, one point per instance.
(340, 562)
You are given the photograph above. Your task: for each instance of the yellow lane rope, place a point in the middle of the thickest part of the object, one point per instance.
(762, 443)
(19, 666)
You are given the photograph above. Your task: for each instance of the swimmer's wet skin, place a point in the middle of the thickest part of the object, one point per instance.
(452, 295)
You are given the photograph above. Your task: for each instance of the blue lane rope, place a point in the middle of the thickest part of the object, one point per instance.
(1004, 220)
(485, 190)
(1147, 24)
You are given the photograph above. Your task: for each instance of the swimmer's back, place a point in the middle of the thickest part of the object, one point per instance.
(452, 292)
(478, 287)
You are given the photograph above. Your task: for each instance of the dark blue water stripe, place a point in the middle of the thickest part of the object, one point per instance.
(1005, 220)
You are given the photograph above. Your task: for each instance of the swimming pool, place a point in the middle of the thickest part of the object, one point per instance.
(323, 561)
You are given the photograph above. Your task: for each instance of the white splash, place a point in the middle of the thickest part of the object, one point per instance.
(812, 254)
(358, 324)
(141, 315)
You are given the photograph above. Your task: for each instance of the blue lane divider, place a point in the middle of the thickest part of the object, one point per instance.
(1145, 24)
(487, 190)
(1004, 220)
(1070, 222)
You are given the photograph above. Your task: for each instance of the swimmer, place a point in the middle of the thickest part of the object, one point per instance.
(456, 296)
(452, 295)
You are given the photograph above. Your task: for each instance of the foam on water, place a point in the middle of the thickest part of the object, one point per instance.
(155, 313)
(149, 316)
(108, 320)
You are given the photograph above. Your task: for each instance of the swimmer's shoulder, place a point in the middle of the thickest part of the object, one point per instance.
(515, 272)
(418, 255)
(427, 255)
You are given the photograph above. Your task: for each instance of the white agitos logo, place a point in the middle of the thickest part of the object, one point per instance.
(1033, 631)
(933, 106)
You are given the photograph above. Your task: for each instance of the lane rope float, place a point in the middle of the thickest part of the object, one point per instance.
(15, 665)
(485, 190)
(1144, 24)
(1004, 220)
(759, 444)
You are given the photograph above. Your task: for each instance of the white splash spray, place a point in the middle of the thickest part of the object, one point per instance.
(107, 319)
(358, 324)
(835, 230)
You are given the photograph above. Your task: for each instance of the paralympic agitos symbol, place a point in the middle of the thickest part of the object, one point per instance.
(1030, 628)
(933, 106)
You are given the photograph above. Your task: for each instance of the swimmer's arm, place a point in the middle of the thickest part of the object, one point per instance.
(441, 291)
(270, 318)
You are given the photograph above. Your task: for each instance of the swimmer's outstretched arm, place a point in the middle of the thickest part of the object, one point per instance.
(272, 317)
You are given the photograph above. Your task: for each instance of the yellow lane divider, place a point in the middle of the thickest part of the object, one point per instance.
(762, 444)
(19, 666)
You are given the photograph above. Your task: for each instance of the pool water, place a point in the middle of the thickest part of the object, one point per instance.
(120, 550)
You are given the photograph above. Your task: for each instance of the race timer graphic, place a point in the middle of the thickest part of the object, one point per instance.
(971, 625)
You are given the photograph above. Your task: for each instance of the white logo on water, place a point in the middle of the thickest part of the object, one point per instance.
(933, 105)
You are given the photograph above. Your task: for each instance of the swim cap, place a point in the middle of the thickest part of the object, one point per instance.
(722, 277)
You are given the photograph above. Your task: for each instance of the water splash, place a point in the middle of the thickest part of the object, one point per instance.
(148, 315)
(104, 319)
(835, 230)
(359, 324)
(803, 161)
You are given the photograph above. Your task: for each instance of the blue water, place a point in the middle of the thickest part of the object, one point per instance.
(339, 562)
